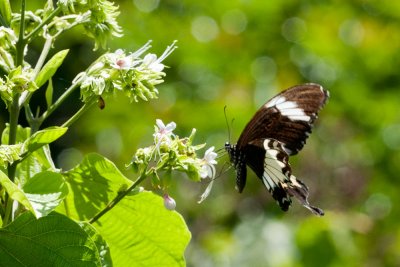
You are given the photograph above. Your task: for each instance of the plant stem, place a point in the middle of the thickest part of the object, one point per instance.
(78, 114)
(119, 197)
(14, 110)
(12, 138)
(58, 102)
(45, 51)
(43, 55)
(44, 22)
(20, 45)
(8, 211)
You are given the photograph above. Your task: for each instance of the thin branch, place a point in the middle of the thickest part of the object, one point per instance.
(20, 45)
(25, 96)
(44, 22)
(58, 102)
(78, 114)
(119, 197)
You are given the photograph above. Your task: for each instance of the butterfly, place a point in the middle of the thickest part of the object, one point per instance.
(279, 129)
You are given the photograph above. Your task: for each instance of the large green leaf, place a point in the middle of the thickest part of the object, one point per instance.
(14, 191)
(101, 244)
(142, 232)
(45, 191)
(51, 67)
(92, 185)
(54, 240)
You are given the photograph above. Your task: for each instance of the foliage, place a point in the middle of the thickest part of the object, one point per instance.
(240, 53)
(91, 214)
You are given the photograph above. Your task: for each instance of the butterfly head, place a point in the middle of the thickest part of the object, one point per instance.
(229, 149)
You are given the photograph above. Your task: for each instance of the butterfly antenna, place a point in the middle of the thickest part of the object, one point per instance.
(227, 125)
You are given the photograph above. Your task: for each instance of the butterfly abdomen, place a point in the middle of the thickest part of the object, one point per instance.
(238, 159)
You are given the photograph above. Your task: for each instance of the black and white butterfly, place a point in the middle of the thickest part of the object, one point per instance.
(278, 130)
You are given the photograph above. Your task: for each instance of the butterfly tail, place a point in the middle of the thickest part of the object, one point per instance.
(299, 190)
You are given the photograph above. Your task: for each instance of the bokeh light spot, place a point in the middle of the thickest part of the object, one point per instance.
(109, 142)
(351, 32)
(378, 205)
(263, 69)
(146, 6)
(294, 29)
(234, 21)
(204, 29)
(69, 158)
(391, 136)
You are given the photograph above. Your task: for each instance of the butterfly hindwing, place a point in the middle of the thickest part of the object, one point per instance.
(276, 174)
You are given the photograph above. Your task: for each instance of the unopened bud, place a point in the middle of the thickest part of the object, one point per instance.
(169, 202)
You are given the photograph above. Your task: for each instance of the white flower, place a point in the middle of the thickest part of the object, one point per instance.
(207, 164)
(96, 84)
(141, 50)
(7, 36)
(95, 68)
(164, 132)
(151, 62)
(119, 61)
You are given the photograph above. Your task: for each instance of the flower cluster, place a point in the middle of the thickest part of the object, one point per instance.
(98, 17)
(17, 81)
(7, 49)
(132, 74)
(9, 154)
(172, 153)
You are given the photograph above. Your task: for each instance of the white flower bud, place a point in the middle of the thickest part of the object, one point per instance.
(169, 202)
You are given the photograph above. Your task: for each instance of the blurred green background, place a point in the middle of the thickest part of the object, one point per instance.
(239, 54)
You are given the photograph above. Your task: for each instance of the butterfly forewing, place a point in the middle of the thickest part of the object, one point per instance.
(279, 129)
(288, 117)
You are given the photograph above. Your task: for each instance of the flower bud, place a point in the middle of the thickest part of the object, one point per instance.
(169, 202)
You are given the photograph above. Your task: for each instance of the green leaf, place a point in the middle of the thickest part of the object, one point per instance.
(92, 185)
(5, 10)
(54, 240)
(15, 192)
(22, 134)
(50, 67)
(45, 191)
(142, 232)
(49, 93)
(40, 160)
(101, 244)
(44, 137)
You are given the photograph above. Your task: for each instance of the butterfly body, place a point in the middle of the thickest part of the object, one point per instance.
(278, 130)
